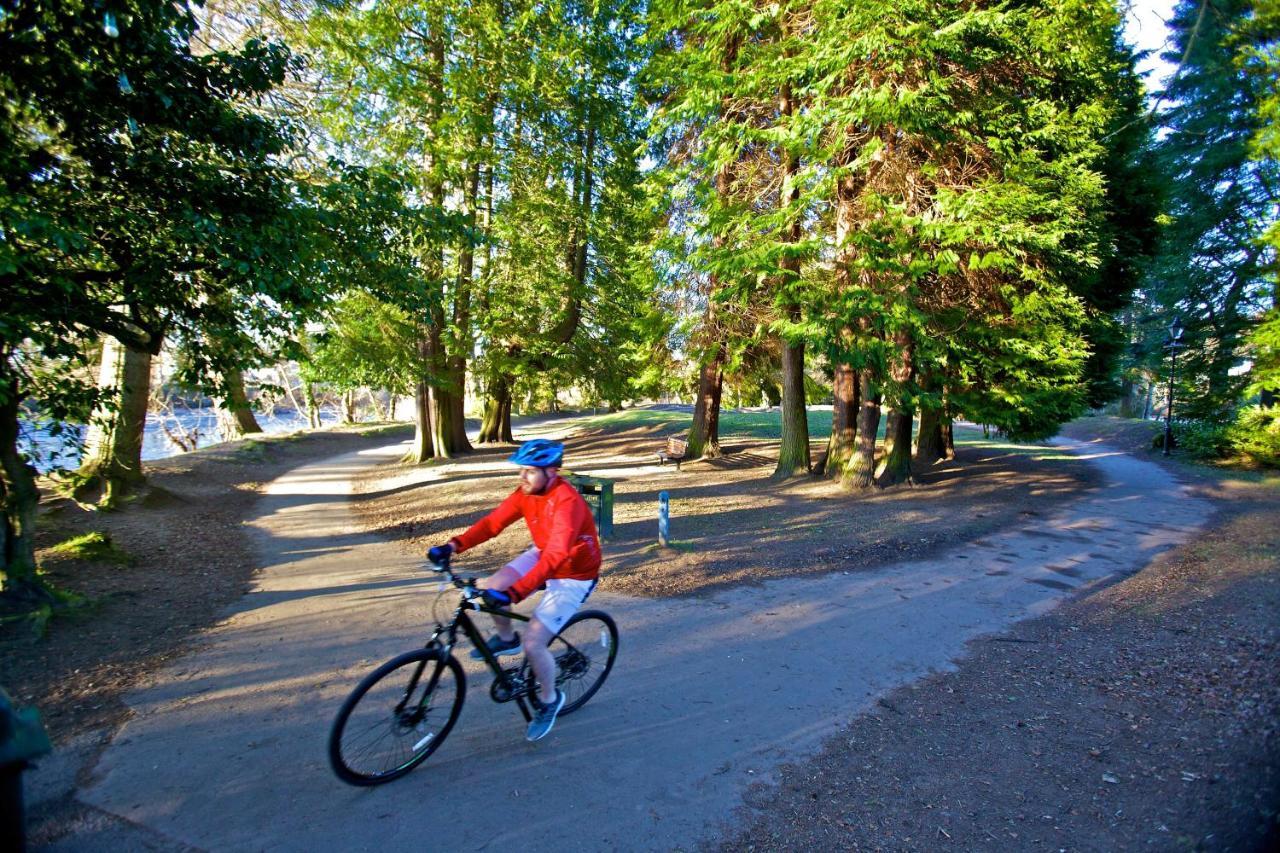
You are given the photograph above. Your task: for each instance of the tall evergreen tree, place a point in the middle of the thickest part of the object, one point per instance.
(1212, 267)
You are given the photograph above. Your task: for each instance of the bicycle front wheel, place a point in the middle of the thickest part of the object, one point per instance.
(396, 717)
(584, 651)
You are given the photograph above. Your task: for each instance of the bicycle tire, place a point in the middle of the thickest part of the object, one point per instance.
(387, 713)
(585, 650)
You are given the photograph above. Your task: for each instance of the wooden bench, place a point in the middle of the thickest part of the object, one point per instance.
(674, 451)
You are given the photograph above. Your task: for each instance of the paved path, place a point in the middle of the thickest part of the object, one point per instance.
(227, 749)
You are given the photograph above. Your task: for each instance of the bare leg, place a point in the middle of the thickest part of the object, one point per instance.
(501, 580)
(536, 639)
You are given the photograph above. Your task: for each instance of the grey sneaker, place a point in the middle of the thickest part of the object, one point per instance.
(544, 717)
(499, 647)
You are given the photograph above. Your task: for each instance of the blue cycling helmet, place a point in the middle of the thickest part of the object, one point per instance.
(539, 453)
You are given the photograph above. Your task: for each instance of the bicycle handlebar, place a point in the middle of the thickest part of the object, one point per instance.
(442, 568)
(467, 585)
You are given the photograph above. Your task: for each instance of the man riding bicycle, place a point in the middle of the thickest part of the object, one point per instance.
(565, 558)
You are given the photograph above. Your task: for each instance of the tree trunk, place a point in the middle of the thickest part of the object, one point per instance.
(19, 582)
(313, 405)
(896, 466)
(113, 453)
(793, 455)
(1128, 396)
(496, 426)
(930, 447)
(949, 438)
(235, 414)
(844, 421)
(423, 448)
(458, 439)
(862, 466)
(457, 372)
(855, 466)
(704, 435)
(374, 403)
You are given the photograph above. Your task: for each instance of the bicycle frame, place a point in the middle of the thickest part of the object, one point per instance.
(462, 620)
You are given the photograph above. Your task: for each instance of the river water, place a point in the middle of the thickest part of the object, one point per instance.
(48, 451)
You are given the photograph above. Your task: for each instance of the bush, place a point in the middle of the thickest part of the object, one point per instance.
(1200, 439)
(1256, 435)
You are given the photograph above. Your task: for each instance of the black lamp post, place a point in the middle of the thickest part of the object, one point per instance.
(1172, 345)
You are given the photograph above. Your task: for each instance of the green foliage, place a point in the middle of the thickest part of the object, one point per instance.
(365, 344)
(1200, 439)
(523, 114)
(1255, 435)
(1214, 268)
(961, 154)
(1264, 343)
(138, 189)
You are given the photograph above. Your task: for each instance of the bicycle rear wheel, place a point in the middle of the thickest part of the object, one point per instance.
(396, 717)
(584, 651)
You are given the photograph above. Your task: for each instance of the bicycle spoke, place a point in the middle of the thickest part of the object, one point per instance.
(584, 652)
(396, 718)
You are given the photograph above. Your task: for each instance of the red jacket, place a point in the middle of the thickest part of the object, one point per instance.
(562, 528)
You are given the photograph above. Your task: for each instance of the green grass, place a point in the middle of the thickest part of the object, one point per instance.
(91, 546)
(732, 424)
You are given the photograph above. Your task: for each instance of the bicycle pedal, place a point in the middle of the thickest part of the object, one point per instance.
(514, 687)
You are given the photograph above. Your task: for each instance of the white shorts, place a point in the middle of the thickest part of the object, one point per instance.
(562, 598)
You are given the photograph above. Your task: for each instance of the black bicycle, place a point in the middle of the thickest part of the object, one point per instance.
(403, 710)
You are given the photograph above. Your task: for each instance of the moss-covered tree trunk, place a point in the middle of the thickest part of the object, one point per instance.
(21, 499)
(844, 421)
(112, 465)
(440, 404)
